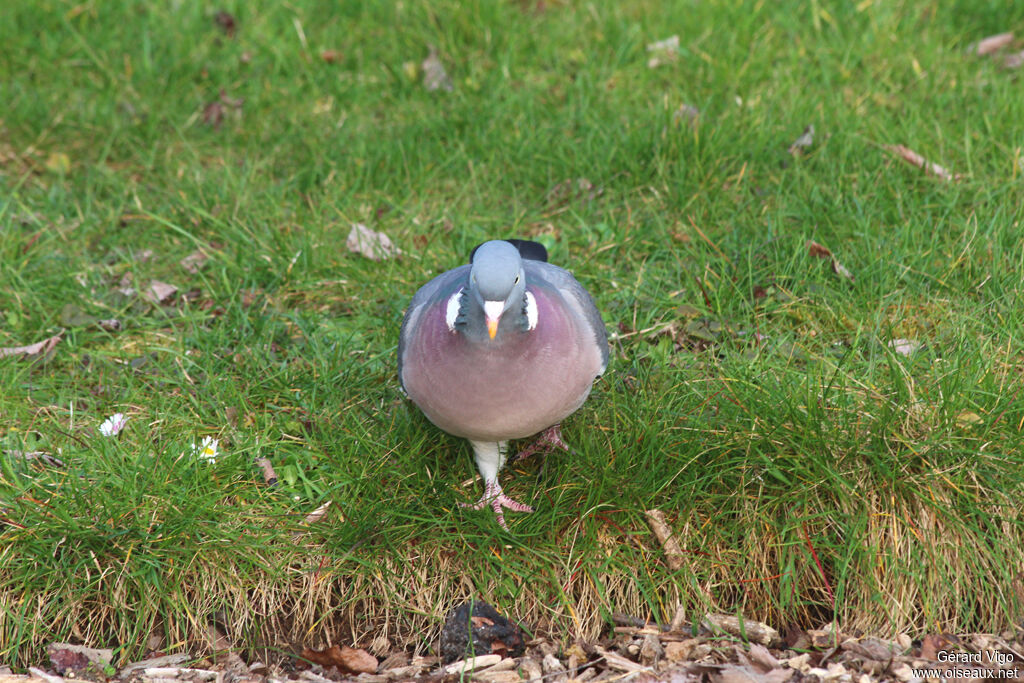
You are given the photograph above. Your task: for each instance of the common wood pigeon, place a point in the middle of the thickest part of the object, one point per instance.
(503, 348)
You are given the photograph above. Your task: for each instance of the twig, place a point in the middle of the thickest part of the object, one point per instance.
(673, 552)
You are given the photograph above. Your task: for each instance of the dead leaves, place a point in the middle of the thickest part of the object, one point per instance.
(72, 659)
(43, 349)
(344, 658)
(375, 246)
(821, 251)
(804, 142)
(993, 46)
(215, 112)
(194, 262)
(159, 292)
(434, 76)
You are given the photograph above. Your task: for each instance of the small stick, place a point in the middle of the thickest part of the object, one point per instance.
(269, 475)
(673, 553)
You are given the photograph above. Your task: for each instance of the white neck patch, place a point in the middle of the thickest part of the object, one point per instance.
(531, 310)
(451, 310)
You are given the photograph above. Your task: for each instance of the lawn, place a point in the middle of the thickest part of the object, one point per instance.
(831, 434)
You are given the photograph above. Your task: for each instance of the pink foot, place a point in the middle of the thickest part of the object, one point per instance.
(497, 500)
(548, 439)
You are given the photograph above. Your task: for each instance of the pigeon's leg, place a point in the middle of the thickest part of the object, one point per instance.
(490, 457)
(548, 439)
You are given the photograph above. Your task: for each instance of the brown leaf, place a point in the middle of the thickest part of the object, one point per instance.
(43, 348)
(194, 261)
(805, 141)
(66, 657)
(761, 658)
(821, 251)
(434, 75)
(987, 46)
(904, 347)
(214, 112)
(160, 292)
(226, 22)
(915, 159)
(373, 245)
(269, 475)
(480, 621)
(318, 514)
(345, 658)
(1014, 61)
(873, 648)
(331, 56)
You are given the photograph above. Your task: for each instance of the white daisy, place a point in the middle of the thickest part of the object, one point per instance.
(206, 450)
(113, 425)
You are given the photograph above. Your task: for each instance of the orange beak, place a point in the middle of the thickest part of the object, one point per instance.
(492, 313)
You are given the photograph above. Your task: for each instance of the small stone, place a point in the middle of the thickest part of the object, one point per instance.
(530, 669)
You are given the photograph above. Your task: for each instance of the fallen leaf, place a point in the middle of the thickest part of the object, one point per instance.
(915, 159)
(66, 657)
(318, 514)
(821, 251)
(434, 75)
(347, 659)
(160, 292)
(194, 261)
(58, 163)
(215, 112)
(331, 56)
(42, 348)
(987, 46)
(226, 22)
(373, 245)
(762, 658)
(1014, 61)
(873, 648)
(572, 189)
(805, 141)
(663, 51)
(110, 324)
(968, 418)
(904, 347)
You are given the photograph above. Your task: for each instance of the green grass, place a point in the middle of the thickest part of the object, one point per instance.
(811, 475)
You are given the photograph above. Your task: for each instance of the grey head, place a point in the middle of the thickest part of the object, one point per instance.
(496, 288)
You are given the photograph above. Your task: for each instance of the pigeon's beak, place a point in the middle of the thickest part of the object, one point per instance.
(492, 313)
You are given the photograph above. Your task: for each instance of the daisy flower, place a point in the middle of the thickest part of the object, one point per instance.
(207, 450)
(113, 425)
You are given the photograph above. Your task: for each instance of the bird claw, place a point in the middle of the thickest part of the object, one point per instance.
(494, 497)
(548, 439)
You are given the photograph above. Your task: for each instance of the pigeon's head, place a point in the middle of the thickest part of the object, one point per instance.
(497, 281)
